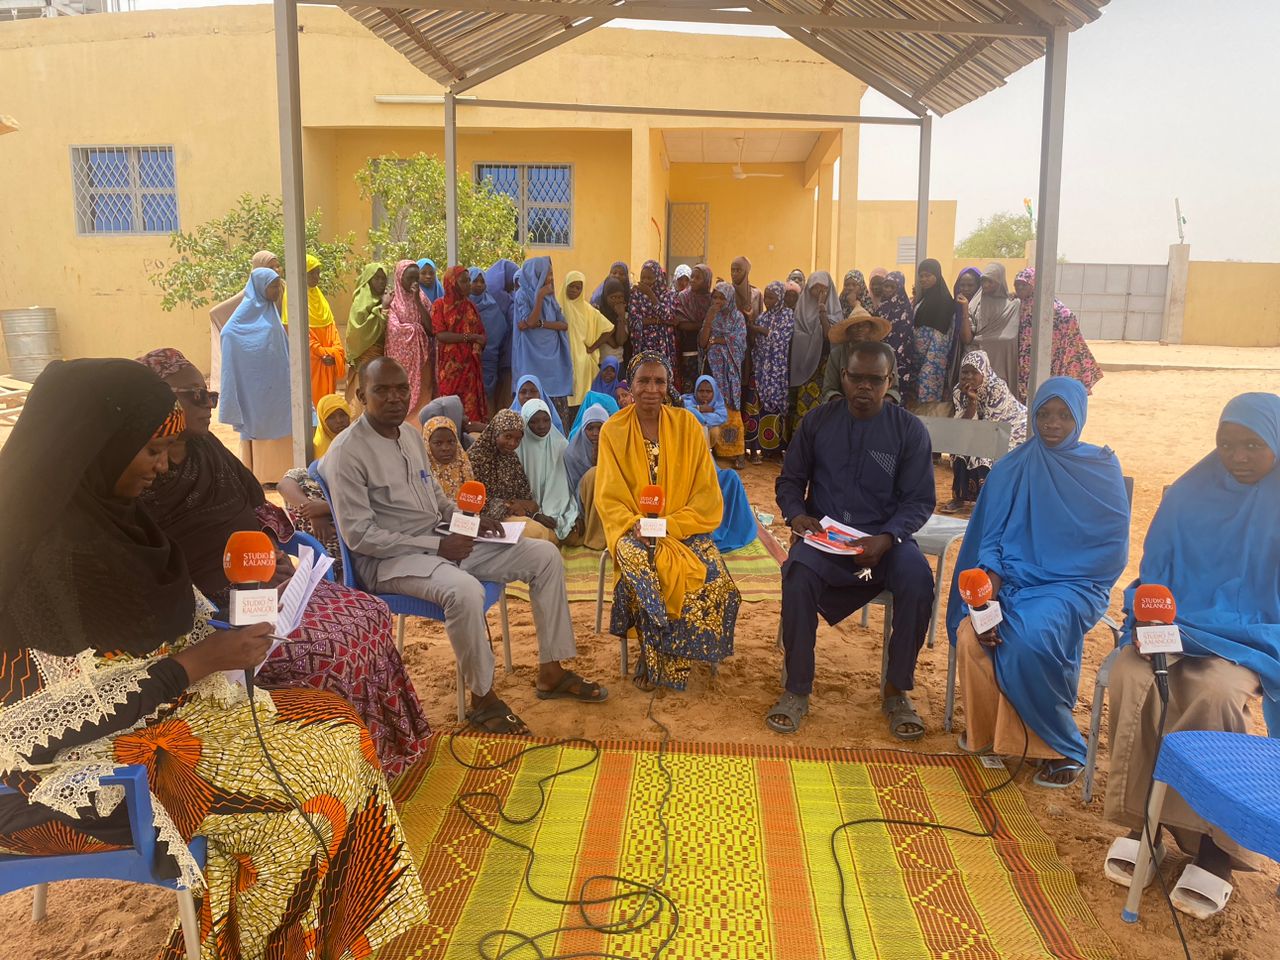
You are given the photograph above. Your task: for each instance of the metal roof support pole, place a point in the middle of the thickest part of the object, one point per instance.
(922, 193)
(451, 178)
(295, 221)
(1055, 101)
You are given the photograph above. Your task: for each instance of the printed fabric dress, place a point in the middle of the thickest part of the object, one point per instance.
(268, 890)
(650, 337)
(458, 368)
(703, 631)
(1071, 354)
(771, 363)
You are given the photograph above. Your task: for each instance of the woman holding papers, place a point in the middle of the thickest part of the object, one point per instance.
(673, 590)
(345, 644)
(107, 659)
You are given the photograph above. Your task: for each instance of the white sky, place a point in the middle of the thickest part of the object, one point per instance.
(1165, 98)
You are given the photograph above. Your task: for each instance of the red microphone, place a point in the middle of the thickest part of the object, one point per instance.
(976, 591)
(652, 500)
(1156, 634)
(471, 500)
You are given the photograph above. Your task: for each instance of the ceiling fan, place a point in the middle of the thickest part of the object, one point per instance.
(736, 170)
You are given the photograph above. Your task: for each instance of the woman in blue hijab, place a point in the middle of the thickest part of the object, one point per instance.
(607, 387)
(601, 400)
(1051, 529)
(529, 388)
(709, 408)
(255, 363)
(497, 332)
(433, 290)
(540, 342)
(1215, 543)
(500, 283)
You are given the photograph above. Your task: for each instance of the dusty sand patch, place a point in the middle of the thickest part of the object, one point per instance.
(1159, 423)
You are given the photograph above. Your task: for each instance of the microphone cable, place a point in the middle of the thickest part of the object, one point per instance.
(1150, 837)
(652, 900)
(275, 772)
(983, 798)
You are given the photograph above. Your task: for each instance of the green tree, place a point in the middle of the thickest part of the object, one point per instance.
(999, 236)
(411, 190)
(213, 260)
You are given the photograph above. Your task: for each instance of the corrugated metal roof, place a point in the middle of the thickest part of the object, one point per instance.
(913, 64)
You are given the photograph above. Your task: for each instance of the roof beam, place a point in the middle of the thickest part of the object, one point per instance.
(799, 118)
(864, 73)
(414, 35)
(683, 14)
(1037, 11)
(970, 51)
(525, 55)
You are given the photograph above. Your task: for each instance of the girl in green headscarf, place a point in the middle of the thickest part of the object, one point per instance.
(367, 321)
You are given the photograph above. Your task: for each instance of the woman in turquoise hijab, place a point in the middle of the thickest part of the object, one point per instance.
(593, 399)
(1051, 529)
(1215, 543)
(541, 453)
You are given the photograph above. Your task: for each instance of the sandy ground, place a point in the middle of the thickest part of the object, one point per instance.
(1159, 423)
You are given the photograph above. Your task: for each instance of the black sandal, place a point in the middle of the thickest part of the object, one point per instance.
(790, 706)
(511, 724)
(588, 690)
(902, 715)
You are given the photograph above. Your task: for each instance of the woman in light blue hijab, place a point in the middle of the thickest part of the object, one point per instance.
(497, 332)
(531, 387)
(255, 363)
(434, 290)
(543, 460)
(1051, 529)
(1215, 543)
(540, 342)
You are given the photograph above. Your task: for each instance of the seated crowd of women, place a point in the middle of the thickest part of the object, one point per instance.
(766, 351)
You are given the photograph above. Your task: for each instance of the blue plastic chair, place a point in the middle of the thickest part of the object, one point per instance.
(133, 865)
(302, 539)
(1232, 780)
(405, 606)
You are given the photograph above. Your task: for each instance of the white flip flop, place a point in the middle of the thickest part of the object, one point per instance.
(1199, 893)
(1122, 860)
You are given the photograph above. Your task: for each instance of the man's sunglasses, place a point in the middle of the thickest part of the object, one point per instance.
(199, 396)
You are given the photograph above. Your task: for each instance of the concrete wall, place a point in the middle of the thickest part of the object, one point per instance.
(1232, 304)
(203, 81)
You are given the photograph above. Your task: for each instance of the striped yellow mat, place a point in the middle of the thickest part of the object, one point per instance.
(751, 865)
(753, 569)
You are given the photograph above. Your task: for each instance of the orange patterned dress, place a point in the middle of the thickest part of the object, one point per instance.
(268, 889)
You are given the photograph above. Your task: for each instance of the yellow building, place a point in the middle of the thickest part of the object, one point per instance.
(134, 124)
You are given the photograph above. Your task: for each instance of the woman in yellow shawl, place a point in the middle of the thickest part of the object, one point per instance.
(588, 330)
(328, 358)
(679, 599)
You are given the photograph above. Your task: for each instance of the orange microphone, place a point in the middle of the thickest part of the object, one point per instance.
(1157, 636)
(652, 500)
(976, 591)
(472, 497)
(249, 561)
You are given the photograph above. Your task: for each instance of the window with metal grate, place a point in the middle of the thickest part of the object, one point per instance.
(125, 189)
(543, 195)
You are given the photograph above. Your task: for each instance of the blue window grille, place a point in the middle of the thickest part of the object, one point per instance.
(125, 189)
(543, 195)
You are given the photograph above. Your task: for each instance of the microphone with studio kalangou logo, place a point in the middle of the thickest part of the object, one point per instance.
(976, 591)
(1156, 634)
(249, 562)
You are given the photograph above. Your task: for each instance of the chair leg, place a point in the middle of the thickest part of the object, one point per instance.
(400, 634)
(462, 696)
(190, 926)
(884, 643)
(949, 716)
(506, 632)
(938, 581)
(39, 902)
(1095, 734)
(1144, 866)
(604, 556)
